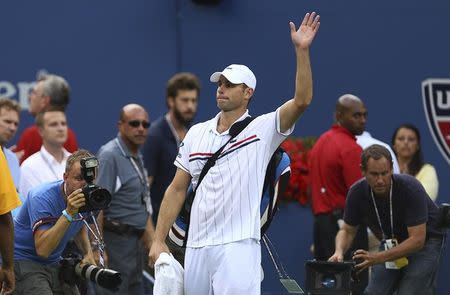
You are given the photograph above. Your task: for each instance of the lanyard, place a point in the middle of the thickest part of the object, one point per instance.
(174, 132)
(390, 211)
(50, 167)
(135, 165)
(145, 195)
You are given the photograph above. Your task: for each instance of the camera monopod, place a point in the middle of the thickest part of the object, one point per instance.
(289, 284)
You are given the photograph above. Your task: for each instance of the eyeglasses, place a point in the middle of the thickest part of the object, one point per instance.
(137, 123)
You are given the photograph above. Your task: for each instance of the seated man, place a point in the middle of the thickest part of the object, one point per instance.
(401, 214)
(46, 222)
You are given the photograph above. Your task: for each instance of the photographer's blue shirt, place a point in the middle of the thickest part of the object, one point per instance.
(41, 209)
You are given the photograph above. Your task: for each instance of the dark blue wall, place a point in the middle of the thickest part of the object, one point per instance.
(116, 52)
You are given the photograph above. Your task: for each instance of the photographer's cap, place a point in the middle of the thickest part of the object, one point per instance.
(236, 74)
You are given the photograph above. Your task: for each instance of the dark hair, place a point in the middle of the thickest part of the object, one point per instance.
(182, 81)
(375, 152)
(9, 104)
(416, 162)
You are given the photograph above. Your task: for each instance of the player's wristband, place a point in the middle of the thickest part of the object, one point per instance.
(67, 215)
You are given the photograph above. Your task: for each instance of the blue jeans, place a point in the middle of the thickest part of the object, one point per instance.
(418, 277)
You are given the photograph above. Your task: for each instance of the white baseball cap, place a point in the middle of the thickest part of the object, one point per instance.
(236, 74)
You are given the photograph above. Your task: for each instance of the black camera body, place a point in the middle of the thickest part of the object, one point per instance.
(97, 198)
(324, 277)
(71, 269)
(444, 215)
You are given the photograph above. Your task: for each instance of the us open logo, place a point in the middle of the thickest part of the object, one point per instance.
(436, 102)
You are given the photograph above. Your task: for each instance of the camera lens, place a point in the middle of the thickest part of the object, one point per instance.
(100, 198)
(96, 198)
(328, 281)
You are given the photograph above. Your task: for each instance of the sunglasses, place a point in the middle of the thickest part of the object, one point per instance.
(136, 123)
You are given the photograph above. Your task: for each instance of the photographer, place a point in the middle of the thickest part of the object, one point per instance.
(401, 214)
(46, 222)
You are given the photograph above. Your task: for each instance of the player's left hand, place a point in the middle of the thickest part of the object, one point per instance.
(305, 34)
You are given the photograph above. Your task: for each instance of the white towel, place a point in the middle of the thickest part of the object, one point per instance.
(169, 276)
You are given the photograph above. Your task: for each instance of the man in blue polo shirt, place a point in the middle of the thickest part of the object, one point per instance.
(45, 223)
(166, 133)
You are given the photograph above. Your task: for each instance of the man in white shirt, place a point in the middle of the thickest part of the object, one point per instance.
(365, 140)
(223, 253)
(49, 163)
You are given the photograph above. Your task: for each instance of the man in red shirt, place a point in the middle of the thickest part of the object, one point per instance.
(334, 167)
(51, 92)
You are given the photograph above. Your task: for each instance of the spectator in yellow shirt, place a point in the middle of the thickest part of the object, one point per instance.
(406, 145)
(9, 200)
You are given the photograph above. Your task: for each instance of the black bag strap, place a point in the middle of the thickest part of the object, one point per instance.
(235, 129)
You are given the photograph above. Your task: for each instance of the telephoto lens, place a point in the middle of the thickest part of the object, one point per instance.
(106, 278)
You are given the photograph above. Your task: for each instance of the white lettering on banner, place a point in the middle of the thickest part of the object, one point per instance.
(441, 103)
(7, 89)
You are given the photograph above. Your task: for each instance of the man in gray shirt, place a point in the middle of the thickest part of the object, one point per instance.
(127, 224)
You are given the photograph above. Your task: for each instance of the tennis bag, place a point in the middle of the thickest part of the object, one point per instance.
(275, 183)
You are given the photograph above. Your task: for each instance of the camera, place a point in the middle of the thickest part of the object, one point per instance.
(71, 269)
(444, 215)
(97, 198)
(324, 277)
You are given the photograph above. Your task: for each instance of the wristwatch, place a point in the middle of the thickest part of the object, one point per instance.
(67, 215)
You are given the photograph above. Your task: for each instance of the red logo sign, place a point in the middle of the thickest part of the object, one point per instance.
(436, 102)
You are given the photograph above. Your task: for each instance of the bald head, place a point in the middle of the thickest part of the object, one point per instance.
(351, 113)
(133, 126)
(129, 108)
(346, 101)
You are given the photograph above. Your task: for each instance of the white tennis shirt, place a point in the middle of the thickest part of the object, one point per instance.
(226, 205)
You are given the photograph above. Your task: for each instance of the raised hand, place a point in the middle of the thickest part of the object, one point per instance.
(303, 37)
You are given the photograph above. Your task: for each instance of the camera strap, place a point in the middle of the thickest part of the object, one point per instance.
(390, 211)
(97, 237)
(289, 284)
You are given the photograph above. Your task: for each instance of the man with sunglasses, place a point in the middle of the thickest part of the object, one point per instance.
(127, 224)
(223, 252)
